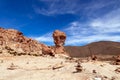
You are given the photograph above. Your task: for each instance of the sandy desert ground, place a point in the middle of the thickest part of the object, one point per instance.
(52, 68)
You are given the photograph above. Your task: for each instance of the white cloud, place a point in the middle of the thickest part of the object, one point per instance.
(46, 38)
(96, 29)
(93, 38)
(108, 23)
(53, 7)
(57, 7)
(99, 4)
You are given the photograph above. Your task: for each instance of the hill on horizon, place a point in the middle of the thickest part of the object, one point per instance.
(96, 48)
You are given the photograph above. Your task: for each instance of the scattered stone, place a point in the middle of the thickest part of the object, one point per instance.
(1, 61)
(117, 70)
(102, 65)
(78, 68)
(117, 60)
(57, 66)
(94, 57)
(27, 63)
(94, 71)
(105, 77)
(12, 67)
(113, 78)
(0, 51)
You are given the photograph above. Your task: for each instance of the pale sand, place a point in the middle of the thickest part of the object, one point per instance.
(40, 68)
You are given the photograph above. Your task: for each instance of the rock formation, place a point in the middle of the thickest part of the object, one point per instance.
(78, 67)
(47, 50)
(59, 40)
(14, 42)
(117, 60)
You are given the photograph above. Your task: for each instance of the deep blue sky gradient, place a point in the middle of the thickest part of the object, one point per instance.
(83, 21)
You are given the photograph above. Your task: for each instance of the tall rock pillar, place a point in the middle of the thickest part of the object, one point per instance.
(59, 40)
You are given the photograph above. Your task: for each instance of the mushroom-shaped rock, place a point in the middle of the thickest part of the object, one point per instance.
(59, 40)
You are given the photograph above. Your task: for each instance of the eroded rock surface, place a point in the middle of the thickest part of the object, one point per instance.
(46, 50)
(59, 40)
(117, 60)
(14, 42)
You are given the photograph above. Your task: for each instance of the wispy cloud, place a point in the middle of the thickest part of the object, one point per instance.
(108, 23)
(88, 39)
(52, 7)
(98, 28)
(77, 7)
(46, 38)
(94, 30)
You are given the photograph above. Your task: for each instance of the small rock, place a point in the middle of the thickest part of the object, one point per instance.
(113, 78)
(94, 57)
(117, 70)
(27, 63)
(94, 71)
(12, 67)
(78, 67)
(1, 61)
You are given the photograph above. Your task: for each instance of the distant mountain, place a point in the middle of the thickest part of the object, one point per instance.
(96, 48)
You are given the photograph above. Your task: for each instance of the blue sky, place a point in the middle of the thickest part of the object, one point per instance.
(84, 21)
